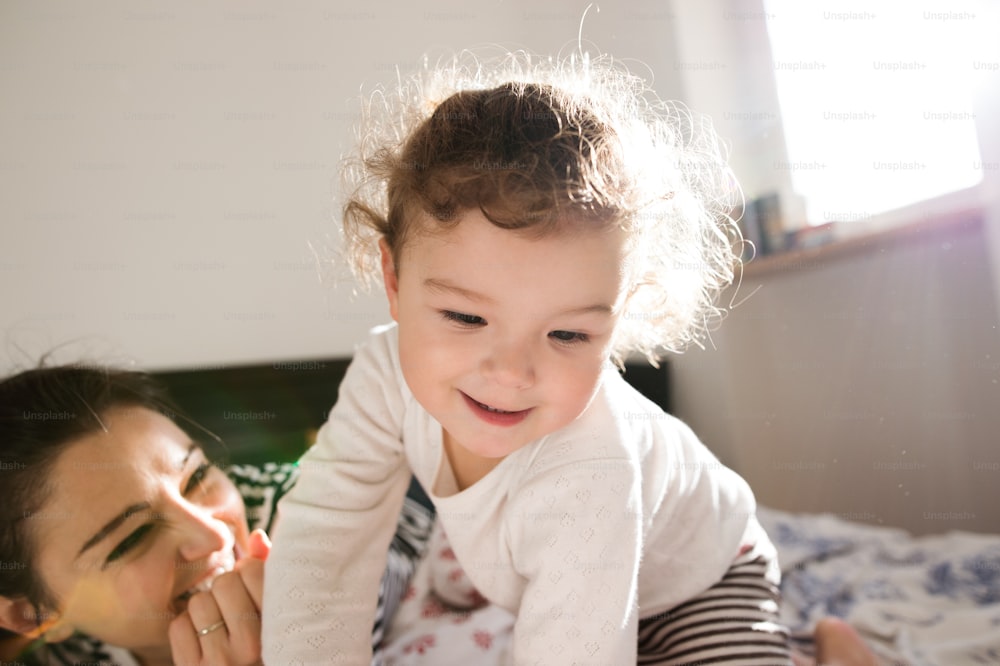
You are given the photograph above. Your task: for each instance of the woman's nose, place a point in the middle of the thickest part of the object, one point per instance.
(200, 532)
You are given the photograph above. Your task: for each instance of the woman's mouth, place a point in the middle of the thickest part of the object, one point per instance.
(204, 585)
(220, 566)
(495, 415)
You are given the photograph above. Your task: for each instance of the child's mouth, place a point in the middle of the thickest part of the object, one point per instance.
(493, 409)
(494, 415)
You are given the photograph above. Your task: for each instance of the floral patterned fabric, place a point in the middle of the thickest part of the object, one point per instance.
(443, 620)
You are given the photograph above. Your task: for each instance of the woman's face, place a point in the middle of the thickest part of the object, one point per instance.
(135, 518)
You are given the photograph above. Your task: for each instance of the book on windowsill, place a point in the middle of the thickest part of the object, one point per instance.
(763, 226)
(772, 225)
(812, 236)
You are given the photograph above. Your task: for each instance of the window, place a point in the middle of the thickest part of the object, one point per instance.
(876, 101)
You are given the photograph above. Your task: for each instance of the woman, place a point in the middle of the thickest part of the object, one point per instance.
(122, 542)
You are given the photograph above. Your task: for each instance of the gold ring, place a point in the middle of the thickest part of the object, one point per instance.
(209, 629)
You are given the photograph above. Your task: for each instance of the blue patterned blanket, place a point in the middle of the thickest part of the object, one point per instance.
(916, 600)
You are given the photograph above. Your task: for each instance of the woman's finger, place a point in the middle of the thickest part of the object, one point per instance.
(260, 544)
(210, 627)
(240, 612)
(251, 570)
(184, 646)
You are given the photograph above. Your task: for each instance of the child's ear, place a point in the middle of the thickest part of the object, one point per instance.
(390, 278)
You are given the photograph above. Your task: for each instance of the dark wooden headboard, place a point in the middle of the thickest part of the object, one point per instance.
(270, 412)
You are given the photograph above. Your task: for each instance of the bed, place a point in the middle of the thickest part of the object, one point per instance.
(916, 600)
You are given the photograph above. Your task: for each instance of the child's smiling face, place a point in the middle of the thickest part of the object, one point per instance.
(502, 336)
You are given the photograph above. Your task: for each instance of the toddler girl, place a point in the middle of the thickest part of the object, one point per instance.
(532, 224)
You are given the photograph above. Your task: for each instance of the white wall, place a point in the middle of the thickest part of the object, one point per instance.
(864, 385)
(169, 169)
(166, 168)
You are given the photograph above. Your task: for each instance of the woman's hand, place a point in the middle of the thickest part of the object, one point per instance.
(221, 627)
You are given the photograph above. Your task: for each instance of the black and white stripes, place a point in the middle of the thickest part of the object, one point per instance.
(407, 547)
(733, 622)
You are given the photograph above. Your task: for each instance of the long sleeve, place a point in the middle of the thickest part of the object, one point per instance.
(334, 527)
(578, 542)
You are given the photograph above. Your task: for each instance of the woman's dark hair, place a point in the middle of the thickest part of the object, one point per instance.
(42, 411)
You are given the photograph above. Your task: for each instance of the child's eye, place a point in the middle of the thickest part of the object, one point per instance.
(129, 542)
(569, 337)
(197, 477)
(464, 319)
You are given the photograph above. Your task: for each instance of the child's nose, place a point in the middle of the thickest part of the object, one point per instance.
(510, 365)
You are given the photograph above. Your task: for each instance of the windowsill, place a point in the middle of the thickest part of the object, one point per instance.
(923, 223)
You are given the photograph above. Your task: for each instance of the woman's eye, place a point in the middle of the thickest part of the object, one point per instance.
(129, 542)
(569, 337)
(197, 477)
(464, 319)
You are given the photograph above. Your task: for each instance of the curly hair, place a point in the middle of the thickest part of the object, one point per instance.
(546, 145)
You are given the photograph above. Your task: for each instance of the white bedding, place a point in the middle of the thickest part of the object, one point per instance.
(916, 600)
